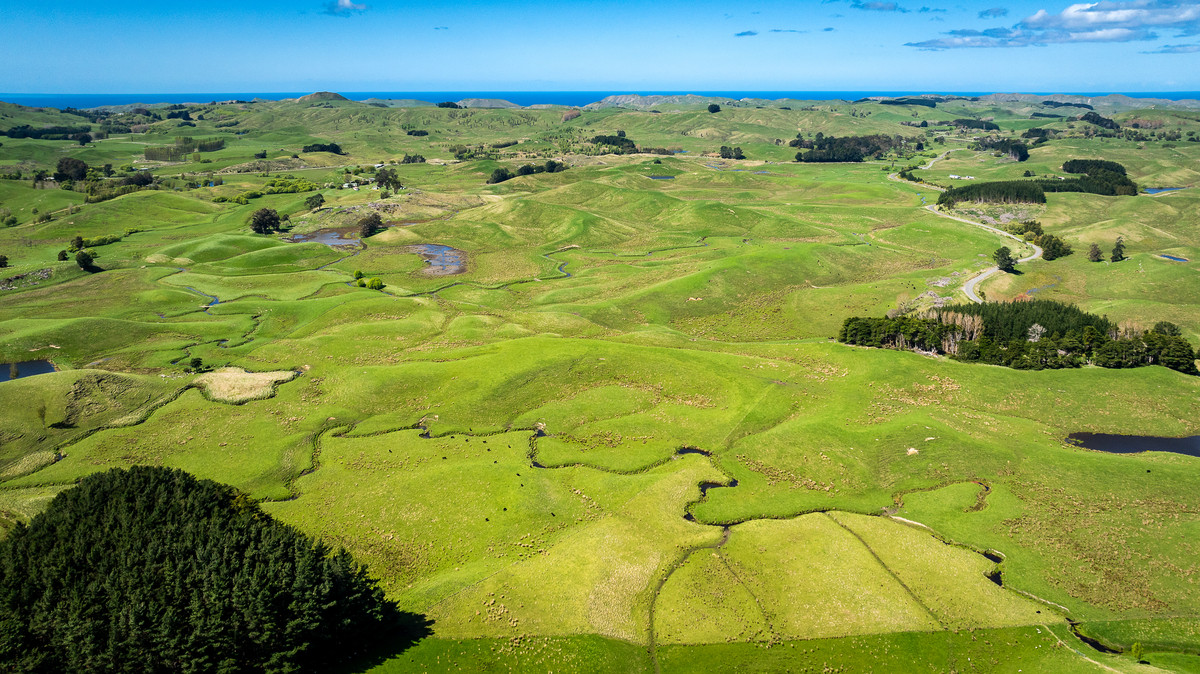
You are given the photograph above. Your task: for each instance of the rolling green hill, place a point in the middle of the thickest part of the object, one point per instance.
(618, 434)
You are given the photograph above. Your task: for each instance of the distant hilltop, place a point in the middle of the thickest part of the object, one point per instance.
(486, 103)
(321, 96)
(588, 100)
(463, 103)
(638, 102)
(1110, 101)
(677, 101)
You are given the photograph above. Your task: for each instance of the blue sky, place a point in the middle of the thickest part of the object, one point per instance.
(593, 45)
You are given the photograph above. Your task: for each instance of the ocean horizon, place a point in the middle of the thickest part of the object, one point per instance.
(522, 98)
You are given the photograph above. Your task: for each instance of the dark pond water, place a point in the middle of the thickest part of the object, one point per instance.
(662, 177)
(1134, 444)
(705, 486)
(692, 450)
(1095, 645)
(1172, 257)
(442, 260)
(1160, 190)
(329, 237)
(9, 371)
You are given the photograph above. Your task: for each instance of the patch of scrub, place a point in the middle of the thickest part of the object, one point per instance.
(29, 463)
(234, 385)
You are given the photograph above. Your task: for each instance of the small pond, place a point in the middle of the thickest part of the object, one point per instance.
(1160, 190)
(1134, 444)
(9, 371)
(661, 177)
(329, 237)
(1172, 257)
(442, 260)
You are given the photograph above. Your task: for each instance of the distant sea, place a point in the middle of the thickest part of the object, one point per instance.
(572, 98)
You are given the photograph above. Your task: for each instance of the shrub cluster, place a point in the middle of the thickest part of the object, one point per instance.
(323, 147)
(976, 124)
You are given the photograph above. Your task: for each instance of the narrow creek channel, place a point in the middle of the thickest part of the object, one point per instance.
(538, 432)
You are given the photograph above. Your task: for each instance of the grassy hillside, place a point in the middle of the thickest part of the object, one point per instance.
(621, 434)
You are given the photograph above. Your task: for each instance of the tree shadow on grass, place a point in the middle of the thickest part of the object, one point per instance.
(404, 631)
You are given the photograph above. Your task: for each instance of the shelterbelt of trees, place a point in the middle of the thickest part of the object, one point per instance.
(1098, 177)
(152, 570)
(1029, 335)
(824, 148)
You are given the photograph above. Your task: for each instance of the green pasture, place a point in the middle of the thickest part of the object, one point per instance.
(501, 446)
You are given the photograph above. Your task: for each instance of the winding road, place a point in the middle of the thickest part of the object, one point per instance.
(972, 283)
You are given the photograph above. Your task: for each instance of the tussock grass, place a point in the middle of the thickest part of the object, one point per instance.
(235, 386)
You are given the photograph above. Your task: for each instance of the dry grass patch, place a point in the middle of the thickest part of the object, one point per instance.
(234, 385)
(27, 464)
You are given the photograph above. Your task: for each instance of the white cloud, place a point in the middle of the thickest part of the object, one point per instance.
(1133, 15)
(343, 7)
(875, 6)
(1106, 21)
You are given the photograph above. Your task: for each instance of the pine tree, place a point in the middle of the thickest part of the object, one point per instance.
(1004, 259)
(1118, 252)
(151, 570)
